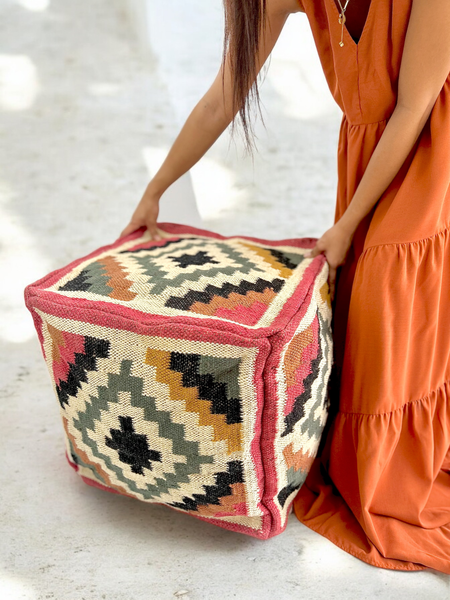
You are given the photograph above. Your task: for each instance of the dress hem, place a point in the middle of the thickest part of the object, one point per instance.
(429, 238)
(437, 390)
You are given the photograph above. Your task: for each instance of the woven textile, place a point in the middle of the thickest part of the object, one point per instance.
(192, 371)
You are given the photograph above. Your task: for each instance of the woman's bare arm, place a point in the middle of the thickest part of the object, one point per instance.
(207, 121)
(424, 68)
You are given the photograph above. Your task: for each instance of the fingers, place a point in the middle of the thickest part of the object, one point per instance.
(314, 251)
(133, 226)
(129, 229)
(154, 232)
(332, 281)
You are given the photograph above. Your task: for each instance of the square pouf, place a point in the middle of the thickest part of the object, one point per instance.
(192, 371)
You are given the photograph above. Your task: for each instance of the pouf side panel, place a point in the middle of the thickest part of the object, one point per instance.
(297, 375)
(272, 406)
(195, 333)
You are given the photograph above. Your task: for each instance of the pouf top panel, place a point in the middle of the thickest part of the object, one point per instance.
(238, 280)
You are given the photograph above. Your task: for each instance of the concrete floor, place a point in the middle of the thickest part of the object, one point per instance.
(85, 117)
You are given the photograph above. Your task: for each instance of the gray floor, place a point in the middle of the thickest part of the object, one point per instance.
(79, 105)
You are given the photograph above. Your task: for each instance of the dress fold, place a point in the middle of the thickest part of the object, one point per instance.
(380, 489)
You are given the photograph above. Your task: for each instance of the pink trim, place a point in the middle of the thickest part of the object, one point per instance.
(98, 485)
(176, 229)
(263, 534)
(72, 464)
(243, 314)
(156, 327)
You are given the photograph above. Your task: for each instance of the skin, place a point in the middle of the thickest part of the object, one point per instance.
(424, 68)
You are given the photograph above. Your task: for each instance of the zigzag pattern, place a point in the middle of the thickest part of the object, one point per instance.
(188, 383)
(162, 272)
(208, 387)
(231, 279)
(313, 424)
(298, 465)
(283, 262)
(286, 259)
(214, 494)
(152, 246)
(78, 370)
(298, 411)
(212, 291)
(105, 277)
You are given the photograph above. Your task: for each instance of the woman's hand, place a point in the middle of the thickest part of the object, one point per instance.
(145, 215)
(335, 244)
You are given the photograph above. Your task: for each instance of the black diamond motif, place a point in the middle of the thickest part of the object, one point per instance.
(201, 258)
(132, 447)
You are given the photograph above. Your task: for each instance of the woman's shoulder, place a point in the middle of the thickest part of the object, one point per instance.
(286, 6)
(297, 6)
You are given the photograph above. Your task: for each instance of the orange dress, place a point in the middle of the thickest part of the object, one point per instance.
(380, 489)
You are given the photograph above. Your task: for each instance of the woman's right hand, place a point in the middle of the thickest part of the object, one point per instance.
(145, 215)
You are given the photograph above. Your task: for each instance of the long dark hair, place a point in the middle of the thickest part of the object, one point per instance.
(245, 21)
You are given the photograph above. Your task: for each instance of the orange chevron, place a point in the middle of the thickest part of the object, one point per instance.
(299, 460)
(294, 354)
(117, 279)
(58, 342)
(226, 503)
(222, 431)
(233, 301)
(325, 293)
(270, 259)
(85, 458)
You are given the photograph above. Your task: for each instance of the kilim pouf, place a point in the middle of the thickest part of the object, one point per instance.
(192, 371)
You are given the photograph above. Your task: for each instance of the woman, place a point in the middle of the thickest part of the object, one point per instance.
(381, 487)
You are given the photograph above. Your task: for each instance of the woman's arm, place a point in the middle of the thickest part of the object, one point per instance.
(424, 68)
(207, 121)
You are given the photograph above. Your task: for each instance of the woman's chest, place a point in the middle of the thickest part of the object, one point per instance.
(355, 15)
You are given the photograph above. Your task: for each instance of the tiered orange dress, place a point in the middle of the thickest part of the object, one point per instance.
(380, 489)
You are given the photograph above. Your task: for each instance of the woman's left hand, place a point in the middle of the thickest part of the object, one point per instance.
(335, 244)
